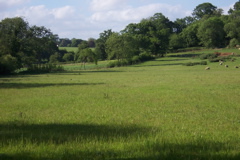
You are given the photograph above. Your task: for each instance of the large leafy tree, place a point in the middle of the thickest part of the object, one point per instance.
(152, 33)
(121, 46)
(86, 55)
(204, 9)
(189, 35)
(211, 32)
(232, 25)
(23, 44)
(43, 43)
(101, 44)
(14, 33)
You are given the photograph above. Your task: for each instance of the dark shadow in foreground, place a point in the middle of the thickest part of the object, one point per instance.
(39, 85)
(58, 134)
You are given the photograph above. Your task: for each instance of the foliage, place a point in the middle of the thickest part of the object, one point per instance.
(142, 57)
(26, 44)
(101, 44)
(55, 58)
(204, 9)
(211, 32)
(44, 68)
(208, 56)
(195, 63)
(121, 46)
(176, 41)
(68, 57)
(189, 35)
(86, 55)
(8, 64)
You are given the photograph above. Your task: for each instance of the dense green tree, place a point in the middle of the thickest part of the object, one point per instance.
(55, 58)
(232, 23)
(83, 45)
(14, 33)
(43, 43)
(152, 33)
(121, 46)
(211, 32)
(24, 44)
(189, 35)
(204, 9)
(75, 42)
(86, 55)
(91, 42)
(67, 57)
(64, 42)
(176, 41)
(101, 44)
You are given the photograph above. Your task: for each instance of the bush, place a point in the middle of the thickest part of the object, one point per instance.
(118, 63)
(8, 64)
(208, 56)
(68, 57)
(233, 43)
(135, 60)
(195, 63)
(44, 68)
(222, 58)
(145, 56)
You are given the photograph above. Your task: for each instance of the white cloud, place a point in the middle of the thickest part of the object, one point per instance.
(67, 21)
(105, 5)
(136, 14)
(63, 12)
(4, 4)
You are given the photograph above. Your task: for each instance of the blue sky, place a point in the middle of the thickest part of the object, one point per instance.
(87, 18)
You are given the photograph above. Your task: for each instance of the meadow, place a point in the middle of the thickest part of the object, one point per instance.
(158, 110)
(69, 49)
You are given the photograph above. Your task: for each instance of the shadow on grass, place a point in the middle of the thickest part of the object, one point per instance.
(183, 55)
(60, 134)
(89, 71)
(156, 65)
(38, 85)
(171, 60)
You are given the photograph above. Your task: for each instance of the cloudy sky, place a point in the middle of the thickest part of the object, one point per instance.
(87, 18)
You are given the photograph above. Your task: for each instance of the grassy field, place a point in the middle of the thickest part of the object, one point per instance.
(69, 49)
(156, 110)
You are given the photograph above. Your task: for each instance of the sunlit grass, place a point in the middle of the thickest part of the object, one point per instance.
(156, 110)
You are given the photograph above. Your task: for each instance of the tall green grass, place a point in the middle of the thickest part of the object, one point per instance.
(156, 110)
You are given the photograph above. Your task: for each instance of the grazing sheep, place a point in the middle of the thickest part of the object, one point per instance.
(236, 66)
(220, 63)
(226, 66)
(207, 68)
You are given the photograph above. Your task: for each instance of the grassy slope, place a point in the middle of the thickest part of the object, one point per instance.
(155, 110)
(69, 49)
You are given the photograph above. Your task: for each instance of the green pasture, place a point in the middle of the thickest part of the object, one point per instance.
(69, 49)
(155, 110)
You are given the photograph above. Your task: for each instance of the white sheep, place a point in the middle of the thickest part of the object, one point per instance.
(226, 66)
(207, 68)
(220, 63)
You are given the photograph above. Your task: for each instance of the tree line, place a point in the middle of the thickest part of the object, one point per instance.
(22, 45)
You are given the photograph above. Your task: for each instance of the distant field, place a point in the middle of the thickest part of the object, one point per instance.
(69, 49)
(155, 110)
